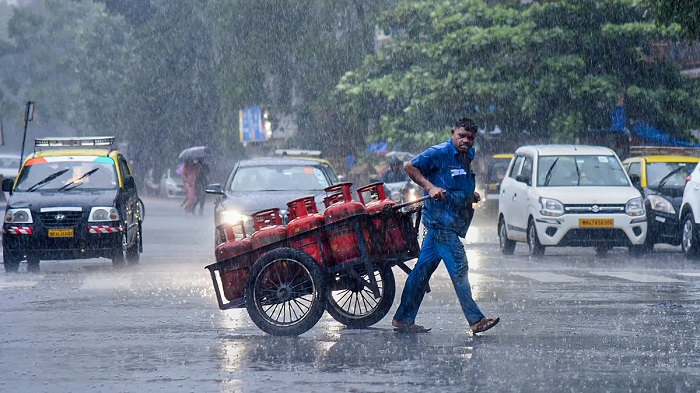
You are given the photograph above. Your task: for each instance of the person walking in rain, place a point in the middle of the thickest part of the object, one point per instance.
(190, 173)
(446, 173)
(201, 181)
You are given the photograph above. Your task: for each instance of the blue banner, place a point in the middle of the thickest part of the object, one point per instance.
(617, 118)
(252, 128)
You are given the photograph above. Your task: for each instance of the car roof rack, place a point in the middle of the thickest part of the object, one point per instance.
(83, 142)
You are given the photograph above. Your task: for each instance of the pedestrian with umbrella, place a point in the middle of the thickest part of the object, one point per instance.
(195, 177)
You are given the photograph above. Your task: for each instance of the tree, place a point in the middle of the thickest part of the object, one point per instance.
(685, 13)
(553, 68)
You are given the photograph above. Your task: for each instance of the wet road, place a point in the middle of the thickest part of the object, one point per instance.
(569, 322)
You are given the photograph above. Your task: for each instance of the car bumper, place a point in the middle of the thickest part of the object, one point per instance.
(567, 231)
(89, 241)
(664, 228)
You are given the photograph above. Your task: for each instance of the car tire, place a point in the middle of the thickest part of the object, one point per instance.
(119, 256)
(10, 261)
(533, 240)
(506, 245)
(133, 256)
(689, 236)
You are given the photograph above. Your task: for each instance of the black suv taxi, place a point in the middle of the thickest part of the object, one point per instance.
(74, 198)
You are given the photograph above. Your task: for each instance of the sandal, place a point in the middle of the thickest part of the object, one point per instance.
(484, 325)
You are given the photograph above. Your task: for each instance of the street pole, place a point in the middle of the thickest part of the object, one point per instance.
(28, 116)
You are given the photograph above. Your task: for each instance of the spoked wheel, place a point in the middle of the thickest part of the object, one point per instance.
(352, 302)
(285, 292)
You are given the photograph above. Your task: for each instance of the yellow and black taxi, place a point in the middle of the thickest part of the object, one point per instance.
(661, 179)
(74, 198)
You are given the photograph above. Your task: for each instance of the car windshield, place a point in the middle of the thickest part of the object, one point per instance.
(82, 173)
(668, 174)
(279, 178)
(566, 171)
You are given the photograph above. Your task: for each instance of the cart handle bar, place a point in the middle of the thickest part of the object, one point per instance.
(402, 205)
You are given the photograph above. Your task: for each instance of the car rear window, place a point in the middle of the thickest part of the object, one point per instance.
(593, 170)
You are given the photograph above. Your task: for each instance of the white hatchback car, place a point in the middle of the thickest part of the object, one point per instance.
(689, 215)
(569, 195)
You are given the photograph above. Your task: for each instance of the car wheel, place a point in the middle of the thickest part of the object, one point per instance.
(507, 246)
(602, 250)
(118, 258)
(132, 252)
(689, 242)
(33, 264)
(533, 240)
(10, 260)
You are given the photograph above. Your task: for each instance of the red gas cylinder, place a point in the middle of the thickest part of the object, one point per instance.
(394, 242)
(233, 276)
(268, 228)
(343, 239)
(304, 217)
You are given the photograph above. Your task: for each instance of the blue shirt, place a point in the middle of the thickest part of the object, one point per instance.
(441, 165)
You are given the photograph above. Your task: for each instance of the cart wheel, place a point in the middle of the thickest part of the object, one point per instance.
(284, 292)
(352, 303)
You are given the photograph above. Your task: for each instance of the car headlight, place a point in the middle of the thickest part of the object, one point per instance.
(661, 204)
(233, 216)
(551, 207)
(18, 216)
(635, 207)
(103, 213)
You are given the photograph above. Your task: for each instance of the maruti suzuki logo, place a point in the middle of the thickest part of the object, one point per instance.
(60, 217)
(595, 209)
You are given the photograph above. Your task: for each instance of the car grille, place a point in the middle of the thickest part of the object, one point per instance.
(594, 209)
(61, 219)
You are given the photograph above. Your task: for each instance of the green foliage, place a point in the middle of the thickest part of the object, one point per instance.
(552, 68)
(685, 13)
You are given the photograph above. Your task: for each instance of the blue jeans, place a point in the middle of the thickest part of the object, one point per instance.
(438, 244)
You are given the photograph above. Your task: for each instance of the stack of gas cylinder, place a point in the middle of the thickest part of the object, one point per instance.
(337, 246)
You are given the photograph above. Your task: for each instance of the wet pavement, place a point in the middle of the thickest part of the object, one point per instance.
(569, 322)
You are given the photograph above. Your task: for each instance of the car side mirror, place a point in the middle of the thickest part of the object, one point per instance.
(636, 181)
(215, 189)
(7, 184)
(523, 179)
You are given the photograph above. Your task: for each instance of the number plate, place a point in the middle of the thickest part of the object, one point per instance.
(61, 232)
(596, 222)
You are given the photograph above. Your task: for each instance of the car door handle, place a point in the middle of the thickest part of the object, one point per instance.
(515, 195)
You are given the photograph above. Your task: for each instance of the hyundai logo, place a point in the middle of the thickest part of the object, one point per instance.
(60, 217)
(595, 209)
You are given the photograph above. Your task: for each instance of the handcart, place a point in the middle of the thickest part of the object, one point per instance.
(285, 290)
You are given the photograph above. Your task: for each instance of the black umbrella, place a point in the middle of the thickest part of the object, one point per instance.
(194, 153)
